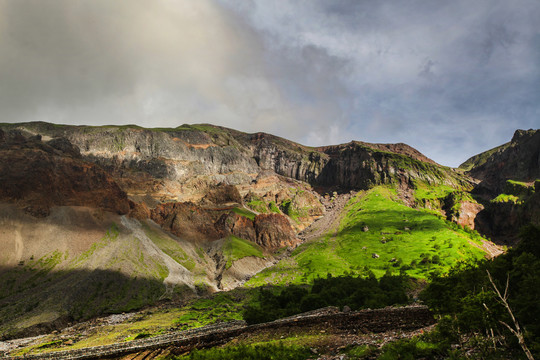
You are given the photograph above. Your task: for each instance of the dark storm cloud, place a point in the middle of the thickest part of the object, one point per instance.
(450, 78)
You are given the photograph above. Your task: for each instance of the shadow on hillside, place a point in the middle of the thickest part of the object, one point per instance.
(355, 292)
(74, 218)
(34, 301)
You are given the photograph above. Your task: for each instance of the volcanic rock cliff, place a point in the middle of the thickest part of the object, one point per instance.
(188, 210)
(517, 160)
(37, 175)
(184, 164)
(508, 185)
(188, 159)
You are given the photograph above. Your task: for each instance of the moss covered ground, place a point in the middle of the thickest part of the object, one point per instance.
(236, 248)
(147, 323)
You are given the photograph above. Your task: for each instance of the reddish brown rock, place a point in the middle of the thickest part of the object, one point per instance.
(191, 222)
(223, 194)
(37, 177)
(467, 214)
(139, 211)
(238, 225)
(188, 221)
(274, 231)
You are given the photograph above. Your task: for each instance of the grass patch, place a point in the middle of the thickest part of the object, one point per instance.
(110, 236)
(258, 205)
(245, 213)
(200, 252)
(146, 324)
(247, 352)
(424, 191)
(290, 208)
(220, 307)
(480, 159)
(235, 248)
(273, 207)
(515, 192)
(507, 198)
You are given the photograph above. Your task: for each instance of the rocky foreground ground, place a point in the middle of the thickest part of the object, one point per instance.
(329, 329)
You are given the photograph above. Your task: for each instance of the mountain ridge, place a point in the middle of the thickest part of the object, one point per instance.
(217, 206)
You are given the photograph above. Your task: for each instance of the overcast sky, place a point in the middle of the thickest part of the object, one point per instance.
(450, 78)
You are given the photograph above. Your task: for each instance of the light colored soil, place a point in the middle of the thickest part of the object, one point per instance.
(72, 229)
(492, 250)
(330, 219)
(178, 275)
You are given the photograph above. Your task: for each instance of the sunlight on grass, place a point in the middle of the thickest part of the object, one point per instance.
(235, 248)
(380, 235)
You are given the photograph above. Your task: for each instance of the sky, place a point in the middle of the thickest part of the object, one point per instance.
(450, 78)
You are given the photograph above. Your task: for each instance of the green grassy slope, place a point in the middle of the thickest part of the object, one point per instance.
(236, 248)
(377, 233)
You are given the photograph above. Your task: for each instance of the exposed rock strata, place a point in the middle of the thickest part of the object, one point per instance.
(274, 231)
(198, 224)
(36, 176)
(517, 160)
(201, 156)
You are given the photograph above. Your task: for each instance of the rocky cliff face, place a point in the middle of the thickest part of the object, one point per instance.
(359, 166)
(517, 160)
(198, 224)
(186, 164)
(37, 175)
(506, 176)
(503, 218)
(193, 157)
(193, 193)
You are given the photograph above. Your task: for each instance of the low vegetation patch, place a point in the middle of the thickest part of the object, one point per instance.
(515, 192)
(221, 307)
(506, 198)
(245, 213)
(251, 352)
(170, 247)
(236, 248)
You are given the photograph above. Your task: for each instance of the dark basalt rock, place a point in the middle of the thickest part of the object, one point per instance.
(517, 160)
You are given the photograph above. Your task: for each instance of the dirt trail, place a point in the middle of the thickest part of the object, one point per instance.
(330, 219)
(178, 275)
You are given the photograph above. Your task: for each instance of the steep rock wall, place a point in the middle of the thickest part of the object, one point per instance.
(517, 160)
(38, 175)
(221, 155)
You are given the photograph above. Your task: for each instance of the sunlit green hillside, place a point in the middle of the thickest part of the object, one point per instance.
(377, 233)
